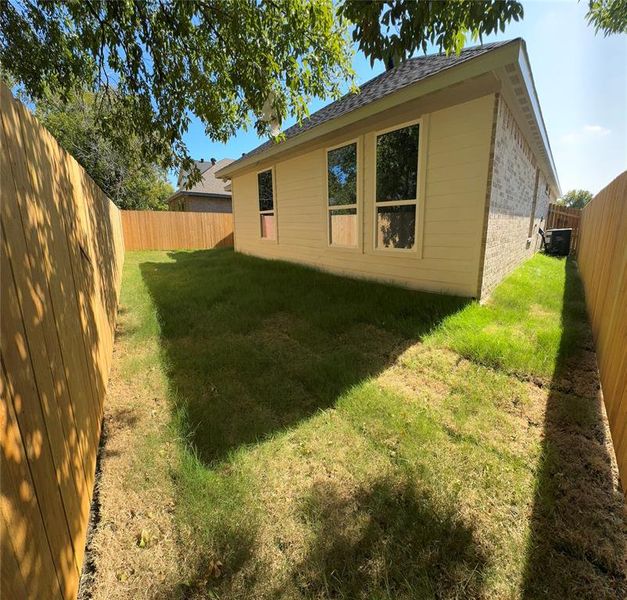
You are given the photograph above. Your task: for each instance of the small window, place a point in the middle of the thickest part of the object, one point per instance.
(266, 205)
(342, 195)
(396, 188)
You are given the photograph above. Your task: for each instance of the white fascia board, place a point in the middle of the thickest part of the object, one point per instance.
(527, 77)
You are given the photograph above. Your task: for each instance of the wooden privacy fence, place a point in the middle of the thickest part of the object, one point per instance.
(561, 217)
(155, 230)
(602, 260)
(62, 252)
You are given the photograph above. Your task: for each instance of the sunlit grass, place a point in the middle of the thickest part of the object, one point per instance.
(520, 328)
(343, 439)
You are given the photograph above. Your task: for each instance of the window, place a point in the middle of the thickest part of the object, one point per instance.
(342, 195)
(396, 188)
(265, 191)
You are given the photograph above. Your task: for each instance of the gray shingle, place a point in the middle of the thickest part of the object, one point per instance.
(407, 73)
(209, 184)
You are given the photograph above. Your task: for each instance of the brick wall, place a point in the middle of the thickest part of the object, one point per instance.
(219, 205)
(517, 189)
(197, 204)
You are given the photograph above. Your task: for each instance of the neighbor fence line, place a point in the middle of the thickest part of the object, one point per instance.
(63, 244)
(560, 217)
(62, 255)
(602, 260)
(165, 230)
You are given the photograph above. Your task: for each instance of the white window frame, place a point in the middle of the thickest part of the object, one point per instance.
(358, 195)
(273, 212)
(418, 202)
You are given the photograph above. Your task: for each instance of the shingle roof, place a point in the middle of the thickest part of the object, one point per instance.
(202, 166)
(407, 73)
(209, 184)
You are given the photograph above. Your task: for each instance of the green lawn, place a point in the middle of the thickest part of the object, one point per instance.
(344, 439)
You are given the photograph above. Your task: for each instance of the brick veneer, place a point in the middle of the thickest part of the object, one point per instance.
(513, 183)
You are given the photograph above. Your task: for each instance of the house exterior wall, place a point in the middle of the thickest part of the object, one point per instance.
(517, 190)
(453, 172)
(198, 204)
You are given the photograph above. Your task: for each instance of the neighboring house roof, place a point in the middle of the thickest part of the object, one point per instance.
(209, 185)
(390, 84)
(202, 165)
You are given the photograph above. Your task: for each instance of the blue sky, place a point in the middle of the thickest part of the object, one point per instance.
(581, 79)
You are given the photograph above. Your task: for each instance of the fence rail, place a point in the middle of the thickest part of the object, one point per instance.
(156, 230)
(61, 258)
(560, 217)
(602, 260)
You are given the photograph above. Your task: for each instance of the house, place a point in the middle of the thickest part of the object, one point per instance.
(437, 175)
(211, 194)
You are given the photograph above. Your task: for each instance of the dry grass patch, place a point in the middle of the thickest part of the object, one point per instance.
(134, 547)
(337, 439)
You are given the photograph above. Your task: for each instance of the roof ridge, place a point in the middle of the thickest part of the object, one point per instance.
(480, 46)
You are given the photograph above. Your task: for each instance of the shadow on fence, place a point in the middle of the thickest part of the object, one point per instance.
(61, 269)
(577, 527)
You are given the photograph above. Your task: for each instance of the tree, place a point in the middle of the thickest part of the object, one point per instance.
(393, 30)
(231, 63)
(116, 164)
(221, 60)
(575, 198)
(608, 16)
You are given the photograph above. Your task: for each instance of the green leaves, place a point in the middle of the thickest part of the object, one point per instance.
(86, 125)
(575, 198)
(392, 30)
(608, 16)
(216, 59)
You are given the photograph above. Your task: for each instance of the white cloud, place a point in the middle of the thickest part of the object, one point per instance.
(597, 130)
(585, 133)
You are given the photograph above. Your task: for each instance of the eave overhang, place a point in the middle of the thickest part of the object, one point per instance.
(510, 64)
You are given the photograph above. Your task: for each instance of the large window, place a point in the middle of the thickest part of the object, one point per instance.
(397, 188)
(342, 195)
(267, 218)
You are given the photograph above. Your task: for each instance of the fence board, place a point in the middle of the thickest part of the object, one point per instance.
(24, 539)
(562, 217)
(602, 260)
(167, 230)
(62, 246)
(61, 256)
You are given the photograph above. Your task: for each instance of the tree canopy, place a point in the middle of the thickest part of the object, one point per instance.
(231, 63)
(393, 30)
(576, 198)
(117, 165)
(608, 16)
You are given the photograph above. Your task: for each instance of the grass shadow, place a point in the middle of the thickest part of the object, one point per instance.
(388, 541)
(254, 346)
(384, 540)
(578, 531)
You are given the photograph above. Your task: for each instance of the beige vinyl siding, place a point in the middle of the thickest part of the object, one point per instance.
(455, 147)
